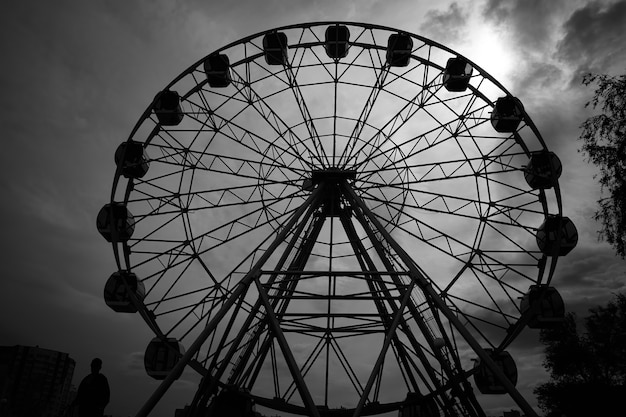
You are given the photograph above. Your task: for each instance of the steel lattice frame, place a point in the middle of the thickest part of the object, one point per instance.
(332, 223)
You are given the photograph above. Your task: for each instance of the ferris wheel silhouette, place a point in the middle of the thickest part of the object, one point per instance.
(336, 219)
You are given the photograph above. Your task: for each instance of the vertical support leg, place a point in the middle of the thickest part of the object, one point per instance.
(427, 288)
(369, 265)
(383, 351)
(239, 291)
(284, 346)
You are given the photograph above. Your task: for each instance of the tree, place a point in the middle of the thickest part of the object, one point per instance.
(587, 371)
(604, 141)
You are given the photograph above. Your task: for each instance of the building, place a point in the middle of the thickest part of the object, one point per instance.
(34, 381)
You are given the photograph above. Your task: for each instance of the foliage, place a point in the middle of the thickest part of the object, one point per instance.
(604, 141)
(588, 371)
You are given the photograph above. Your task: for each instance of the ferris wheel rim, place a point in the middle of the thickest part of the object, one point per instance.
(315, 24)
(298, 195)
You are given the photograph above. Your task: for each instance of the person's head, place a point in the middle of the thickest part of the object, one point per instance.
(96, 365)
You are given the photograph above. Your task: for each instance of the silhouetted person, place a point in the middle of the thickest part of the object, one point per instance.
(93, 393)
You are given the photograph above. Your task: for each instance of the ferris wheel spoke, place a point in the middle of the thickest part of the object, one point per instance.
(217, 241)
(235, 192)
(381, 70)
(460, 250)
(424, 142)
(228, 128)
(494, 316)
(435, 171)
(432, 172)
(296, 145)
(205, 291)
(198, 318)
(486, 263)
(411, 107)
(378, 67)
(217, 197)
(225, 197)
(498, 310)
(232, 235)
(191, 308)
(206, 160)
(449, 204)
(472, 319)
(298, 96)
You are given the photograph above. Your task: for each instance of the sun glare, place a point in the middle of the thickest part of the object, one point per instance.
(490, 50)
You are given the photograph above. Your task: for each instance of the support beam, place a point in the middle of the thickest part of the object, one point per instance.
(286, 289)
(448, 404)
(284, 347)
(383, 351)
(239, 291)
(424, 283)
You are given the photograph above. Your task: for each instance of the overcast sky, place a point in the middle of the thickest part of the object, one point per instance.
(76, 75)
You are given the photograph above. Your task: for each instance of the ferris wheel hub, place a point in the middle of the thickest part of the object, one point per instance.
(332, 175)
(334, 204)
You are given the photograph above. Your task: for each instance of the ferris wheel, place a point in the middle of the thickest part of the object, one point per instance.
(336, 218)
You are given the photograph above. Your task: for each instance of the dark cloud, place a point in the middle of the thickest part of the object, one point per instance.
(594, 38)
(528, 27)
(588, 277)
(531, 21)
(592, 268)
(497, 10)
(539, 78)
(445, 26)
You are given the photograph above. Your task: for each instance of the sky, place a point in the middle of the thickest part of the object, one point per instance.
(76, 76)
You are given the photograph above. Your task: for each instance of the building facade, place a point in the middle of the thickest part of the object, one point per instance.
(34, 381)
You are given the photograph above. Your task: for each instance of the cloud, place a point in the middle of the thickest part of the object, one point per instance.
(546, 35)
(590, 277)
(531, 21)
(529, 30)
(445, 26)
(593, 40)
(539, 80)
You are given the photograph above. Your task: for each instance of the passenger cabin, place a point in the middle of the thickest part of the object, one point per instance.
(399, 48)
(275, 48)
(162, 356)
(486, 381)
(557, 236)
(543, 170)
(232, 403)
(131, 159)
(507, 114)
(456, 76)
(416, 405)
(115, 223)
(336, 41)
(118, 290)
(167, 108)
(217, 70)
(544, 306)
